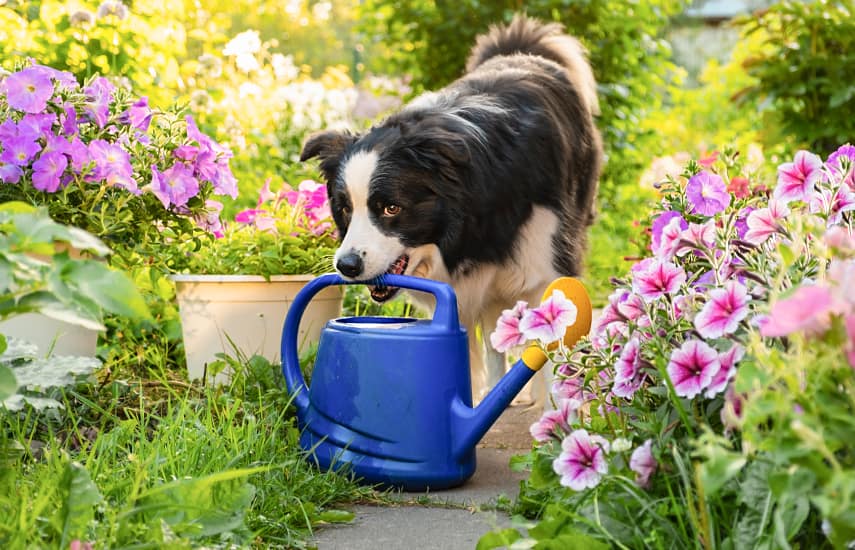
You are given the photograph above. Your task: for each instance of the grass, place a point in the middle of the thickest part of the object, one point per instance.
(159, 463)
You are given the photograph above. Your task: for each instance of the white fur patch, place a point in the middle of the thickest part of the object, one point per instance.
(378, 251)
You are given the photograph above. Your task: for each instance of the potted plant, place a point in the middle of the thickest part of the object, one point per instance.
(104, 161)
(234, 288)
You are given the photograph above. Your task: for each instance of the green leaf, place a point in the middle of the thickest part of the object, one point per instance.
(498, 539)
(112, 290)
(81, 496)
(336, 516)
(8, 383)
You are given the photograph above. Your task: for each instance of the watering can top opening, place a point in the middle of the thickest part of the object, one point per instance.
(372, 323)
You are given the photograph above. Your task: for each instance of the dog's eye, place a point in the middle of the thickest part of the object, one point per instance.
(345, 212)
(391, 210)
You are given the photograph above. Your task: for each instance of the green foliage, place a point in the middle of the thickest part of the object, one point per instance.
(804, 71)
(149, 463)
(431, 41)
(139, 43)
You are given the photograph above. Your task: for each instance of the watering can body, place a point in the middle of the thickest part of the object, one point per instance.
(390, 398)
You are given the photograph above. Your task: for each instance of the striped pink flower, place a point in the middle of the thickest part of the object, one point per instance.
(659, 279)
(549, 321)
(725, 374)
(724, 309)
(582, 462)
(692, 367)
(796, 180)
(508, 334)
(765, 222)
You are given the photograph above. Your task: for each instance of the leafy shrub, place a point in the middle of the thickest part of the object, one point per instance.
(287, 233)
(36, 278)
(804, 71)
(713, 402)
(104, 161)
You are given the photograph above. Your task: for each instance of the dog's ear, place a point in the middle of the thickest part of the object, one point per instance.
(329, 146)
(437, 149)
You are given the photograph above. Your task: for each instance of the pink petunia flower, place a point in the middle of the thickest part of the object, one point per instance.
(670, 239)
(659, 279)
(796, 180)
(808, 310)
(549, 321)
(724, 309)
(659, 224)
(582, 462)
(643, 463)
(839, 237)
(841, 276)
(842, 164)
(765, 222)
(632, 307)
(555, 424)
(265, 194)
(707, 194)
(698, 236)
(508, 334)
(571, 388)
(692, 367)
(725, 374)
(832, 204)
(628, 374)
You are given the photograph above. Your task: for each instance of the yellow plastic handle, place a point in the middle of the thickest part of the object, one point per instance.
(573, 290)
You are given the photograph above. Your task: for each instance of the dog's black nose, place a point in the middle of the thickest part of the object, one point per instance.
(350, 265)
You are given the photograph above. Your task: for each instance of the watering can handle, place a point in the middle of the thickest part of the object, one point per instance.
(444, 318)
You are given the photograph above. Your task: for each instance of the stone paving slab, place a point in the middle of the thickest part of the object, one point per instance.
(410, 528)
(446, 520)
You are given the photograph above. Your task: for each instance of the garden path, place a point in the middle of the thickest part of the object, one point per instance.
(446, 520)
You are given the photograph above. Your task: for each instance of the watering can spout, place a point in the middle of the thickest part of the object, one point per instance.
(473, 423)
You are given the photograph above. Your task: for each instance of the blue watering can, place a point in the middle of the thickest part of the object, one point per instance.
(391, 397)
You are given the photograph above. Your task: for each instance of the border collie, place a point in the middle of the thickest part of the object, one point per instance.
(488, 184)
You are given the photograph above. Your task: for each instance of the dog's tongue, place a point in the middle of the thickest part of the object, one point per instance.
(383, 293)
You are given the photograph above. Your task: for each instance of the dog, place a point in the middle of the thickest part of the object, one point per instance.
(488, 184)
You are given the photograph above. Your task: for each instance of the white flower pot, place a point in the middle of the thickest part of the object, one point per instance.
(221, 312)
(49, 335)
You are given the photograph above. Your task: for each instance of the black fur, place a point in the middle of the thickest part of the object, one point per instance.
(467, 168)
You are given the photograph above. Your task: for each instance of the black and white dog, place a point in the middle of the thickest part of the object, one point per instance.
(488, 184)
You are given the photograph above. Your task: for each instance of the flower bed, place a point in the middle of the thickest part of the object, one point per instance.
(713, 402)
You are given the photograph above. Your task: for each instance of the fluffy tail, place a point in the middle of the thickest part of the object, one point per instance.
(525, 35)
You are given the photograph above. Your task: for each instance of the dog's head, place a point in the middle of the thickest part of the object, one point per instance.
(395, 195)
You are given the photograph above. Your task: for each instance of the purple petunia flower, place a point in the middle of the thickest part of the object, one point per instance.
(508, 334)
(69, 120)
(707, 194)
(643, 463)
(174, 186)
(549, 321)
(657, 280)
(28, 90)
(724, 309)
(65, 79)
(10, 173)
(99, 95)
(112, 164)
(210, 219)
(692, 367)
(19, 151)
(796, 180)
(582, 462)
(48, 171)
(725, 374)
(138, 115)
(554, 424)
